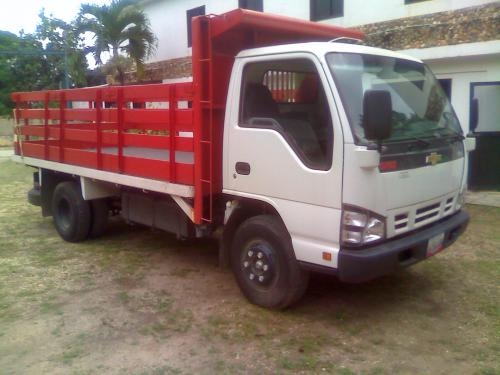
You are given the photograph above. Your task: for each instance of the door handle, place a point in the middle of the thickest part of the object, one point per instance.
(242, 168)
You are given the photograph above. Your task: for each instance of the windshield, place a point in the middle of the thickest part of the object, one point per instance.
(420, 109)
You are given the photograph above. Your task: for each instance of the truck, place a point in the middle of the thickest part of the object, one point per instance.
(303, 150)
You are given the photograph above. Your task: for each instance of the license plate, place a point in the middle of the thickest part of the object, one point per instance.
(435, 244)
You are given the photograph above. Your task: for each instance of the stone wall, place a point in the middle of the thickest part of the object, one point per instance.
(468, 25)
(167, 69)
(175, 68)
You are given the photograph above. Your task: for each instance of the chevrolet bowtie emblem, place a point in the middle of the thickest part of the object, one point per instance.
(433, 158)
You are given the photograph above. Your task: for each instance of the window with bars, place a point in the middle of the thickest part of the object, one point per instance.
(257, 5)
(324, 9)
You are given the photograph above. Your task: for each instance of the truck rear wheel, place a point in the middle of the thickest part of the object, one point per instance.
(72, 214)
(264, 263)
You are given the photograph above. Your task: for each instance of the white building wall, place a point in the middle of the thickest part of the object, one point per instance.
(463, 72)
(169, 23)
(361, 12)
(296, 9)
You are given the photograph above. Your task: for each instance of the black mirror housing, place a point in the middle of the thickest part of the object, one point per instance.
(377, 114)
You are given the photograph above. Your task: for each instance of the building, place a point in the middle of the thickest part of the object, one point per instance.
(458, 39)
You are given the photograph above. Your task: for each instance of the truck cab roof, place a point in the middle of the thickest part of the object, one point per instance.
(320, 49)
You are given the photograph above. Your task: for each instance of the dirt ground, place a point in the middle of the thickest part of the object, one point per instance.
(140, 302)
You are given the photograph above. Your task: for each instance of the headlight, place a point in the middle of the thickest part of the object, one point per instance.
(361, 227)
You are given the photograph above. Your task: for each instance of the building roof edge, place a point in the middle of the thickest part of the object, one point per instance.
(477, 49)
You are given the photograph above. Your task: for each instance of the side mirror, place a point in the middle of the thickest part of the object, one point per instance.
(377, 114)
(474, 115)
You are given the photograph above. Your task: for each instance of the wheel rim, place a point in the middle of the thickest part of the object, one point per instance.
(64, 214)
(258, 263)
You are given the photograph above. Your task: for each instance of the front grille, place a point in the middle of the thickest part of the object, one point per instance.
(426, 213)
(448, 205)
(418, 216)
(400, 221)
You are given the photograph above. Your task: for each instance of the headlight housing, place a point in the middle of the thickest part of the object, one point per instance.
(361, 227)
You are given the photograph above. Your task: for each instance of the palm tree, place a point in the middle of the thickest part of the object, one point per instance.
(119, 28)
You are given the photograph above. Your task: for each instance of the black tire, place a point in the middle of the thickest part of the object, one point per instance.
(72, 215)
(100, 214)
(264, 263)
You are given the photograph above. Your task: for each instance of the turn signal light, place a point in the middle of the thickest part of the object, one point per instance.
(327, 256)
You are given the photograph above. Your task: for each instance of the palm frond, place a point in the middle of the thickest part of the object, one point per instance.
(120, 27)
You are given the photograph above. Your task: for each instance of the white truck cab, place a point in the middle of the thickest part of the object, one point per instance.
(304, 133)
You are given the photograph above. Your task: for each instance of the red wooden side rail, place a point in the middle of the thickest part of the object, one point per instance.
(144, 131)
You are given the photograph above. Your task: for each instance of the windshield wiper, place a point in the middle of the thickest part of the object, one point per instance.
(419, 141)
(451, 134)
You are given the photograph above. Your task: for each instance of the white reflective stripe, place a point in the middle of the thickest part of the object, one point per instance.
(185, 191)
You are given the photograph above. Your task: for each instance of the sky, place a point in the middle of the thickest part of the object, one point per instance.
(23, 14)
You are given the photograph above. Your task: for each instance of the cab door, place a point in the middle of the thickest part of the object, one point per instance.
(283, 146)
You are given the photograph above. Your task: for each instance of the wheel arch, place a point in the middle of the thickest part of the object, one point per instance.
(245, 208)
(264, 264)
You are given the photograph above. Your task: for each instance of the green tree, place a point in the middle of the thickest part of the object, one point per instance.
(64, 50)
(8, 43)
(41, 60)
(28, 65)
(21, 67)
(120, 29)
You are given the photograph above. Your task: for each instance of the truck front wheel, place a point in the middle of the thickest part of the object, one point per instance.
(264, 263)
(72, 214)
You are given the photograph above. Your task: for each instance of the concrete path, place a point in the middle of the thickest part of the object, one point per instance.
(484, 198)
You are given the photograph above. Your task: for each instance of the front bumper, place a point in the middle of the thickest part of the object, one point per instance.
(362, 265)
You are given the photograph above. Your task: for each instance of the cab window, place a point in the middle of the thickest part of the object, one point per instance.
(287, 96)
